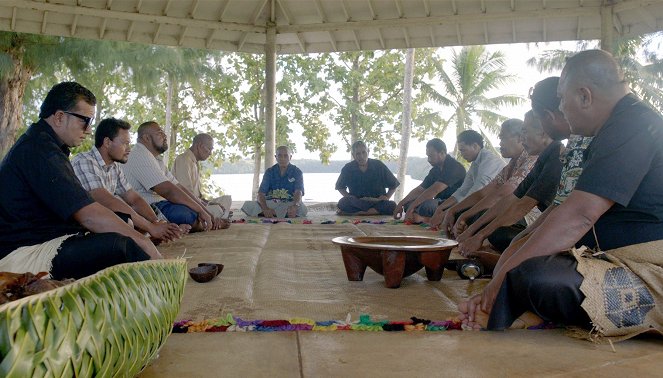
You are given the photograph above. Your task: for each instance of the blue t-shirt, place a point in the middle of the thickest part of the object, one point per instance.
(292, 181)
(371, 183)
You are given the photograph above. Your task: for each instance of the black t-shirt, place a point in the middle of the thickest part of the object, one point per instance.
(451, 173)
(371, 183)
(624, 163)
(542, 181)
(39, 191)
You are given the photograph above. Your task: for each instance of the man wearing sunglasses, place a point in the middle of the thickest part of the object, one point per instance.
(45, 214)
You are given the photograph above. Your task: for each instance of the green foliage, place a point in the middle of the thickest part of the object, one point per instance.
(639, 58)
(474, 74)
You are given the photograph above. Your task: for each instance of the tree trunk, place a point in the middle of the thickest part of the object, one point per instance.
(407, 121)
(257, 157)
(12, 89)
(354, 117)
(169, 108)
(101, 98)
(174, 125)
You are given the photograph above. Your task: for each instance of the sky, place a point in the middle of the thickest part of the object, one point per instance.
(516, 56)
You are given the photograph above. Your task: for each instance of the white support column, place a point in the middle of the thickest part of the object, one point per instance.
(270, 95)
(607, 28)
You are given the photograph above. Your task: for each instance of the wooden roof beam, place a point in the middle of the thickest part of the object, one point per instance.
(321, 12)
(194, 8)
(432, 36)
(285, 12)
(224, 7)
(156, 34)
(332, 40)
(109, 3)
(399, 8)
(167, 7)
(460, 40)
(13, 21)
(441, 20)
(454, 7)
(102, 29)
(344, 6)
(513, 31)
(137, 17)
(374, 15)
(43, 22)
(301, 42)
(138, 5)
(130, 31)
(73, 26)
(426, 7)
(354, 33)
(184, 30)
(381, 38)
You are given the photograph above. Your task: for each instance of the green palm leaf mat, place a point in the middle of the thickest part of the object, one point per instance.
(112, 323)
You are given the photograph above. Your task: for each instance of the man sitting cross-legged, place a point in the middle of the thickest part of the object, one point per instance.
(281, 190)
(48, 222)
(148, 175)
(616, 206)
(442, 180)
(186, 170)
(365, 180)
(101, 175)
(485, 166)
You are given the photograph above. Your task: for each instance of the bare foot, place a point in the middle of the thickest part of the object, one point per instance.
(478, 323)
(526, 320)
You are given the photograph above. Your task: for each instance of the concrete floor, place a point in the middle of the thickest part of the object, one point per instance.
(367, 354)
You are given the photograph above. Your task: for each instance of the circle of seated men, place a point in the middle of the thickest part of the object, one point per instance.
(602, 190)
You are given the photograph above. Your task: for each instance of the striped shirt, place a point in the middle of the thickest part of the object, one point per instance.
(144, 172)
(94, 173)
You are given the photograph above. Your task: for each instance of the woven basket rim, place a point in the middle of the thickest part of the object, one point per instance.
(84, 281)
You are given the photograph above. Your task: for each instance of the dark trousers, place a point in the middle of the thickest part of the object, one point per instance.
(353, 204)
(83, 255)
(548, 286)
(502, 237)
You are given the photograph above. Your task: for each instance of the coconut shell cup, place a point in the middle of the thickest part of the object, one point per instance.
(203, 273)
(218, 266)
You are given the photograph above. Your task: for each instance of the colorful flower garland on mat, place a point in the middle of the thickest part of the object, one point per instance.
(235, 324)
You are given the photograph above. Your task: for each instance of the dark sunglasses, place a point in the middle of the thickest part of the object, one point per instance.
(88, 120)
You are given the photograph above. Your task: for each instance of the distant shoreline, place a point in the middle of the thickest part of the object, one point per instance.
(417, 167)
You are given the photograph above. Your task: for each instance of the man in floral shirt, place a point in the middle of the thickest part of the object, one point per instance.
(281, 190)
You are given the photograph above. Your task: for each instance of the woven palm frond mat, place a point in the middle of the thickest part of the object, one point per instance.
(623, 290)
(294, 273)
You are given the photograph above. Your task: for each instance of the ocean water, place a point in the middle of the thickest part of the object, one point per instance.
(318, 187)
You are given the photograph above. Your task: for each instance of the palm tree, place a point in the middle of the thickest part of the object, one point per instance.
(474, 73)
(638, 57)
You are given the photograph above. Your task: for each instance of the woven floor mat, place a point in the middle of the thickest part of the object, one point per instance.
(283, 271)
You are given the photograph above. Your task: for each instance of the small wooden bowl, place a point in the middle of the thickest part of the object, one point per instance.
(203, 273)
(218, 266)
